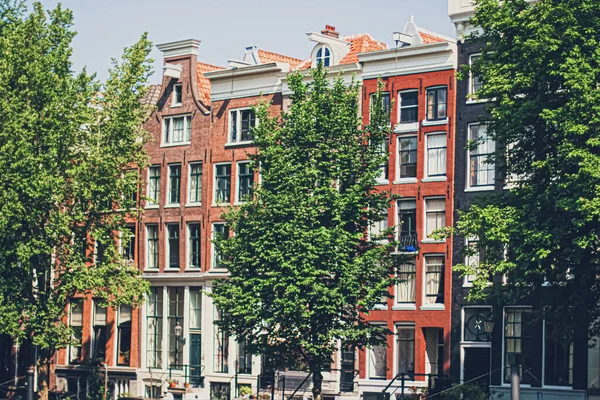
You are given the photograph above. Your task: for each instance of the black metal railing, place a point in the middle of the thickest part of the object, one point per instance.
(192, 374)
(408, 242)
(435, 383)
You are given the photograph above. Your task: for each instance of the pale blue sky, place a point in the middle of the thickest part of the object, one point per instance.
(225, 28)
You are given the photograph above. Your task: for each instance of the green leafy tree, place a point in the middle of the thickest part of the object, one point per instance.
(68, 151)
(302, 266)
(540, 66)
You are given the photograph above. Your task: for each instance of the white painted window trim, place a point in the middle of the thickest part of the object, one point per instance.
(427, 239)
(232, 186)
(406, 126)
(147, 248)
(167, 250)
(316, 59)
(424, 304)
(502, 383)
(407, 180)
(397, 327)
(237, 200)
(163, 134)
(174, 103)
(148, 204)
(468, 187)
(213, 248)
(437, 178)
(188, 247)
(543, 379)
(168, 203)
(462, 326)
(190, 203)
(428, 122)
(238, 118)
(368, 354)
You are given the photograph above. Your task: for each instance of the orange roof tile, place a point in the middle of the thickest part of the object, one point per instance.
(430, 38)
(361, 43)
(204, 83)
(152, 95)
(269, 57)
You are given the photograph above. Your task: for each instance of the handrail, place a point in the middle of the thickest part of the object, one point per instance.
(411, 376)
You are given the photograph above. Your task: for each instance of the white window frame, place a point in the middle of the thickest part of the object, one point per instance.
(370, 351)
(406, 306)
(426, 238)
(399, 179)
(174, 102)
(439, 121)
(403, 127)
(147, 266)
(544, 385)
(502, 383)
(468, 187)
(435, 178)
(232, 186)
(167, 250)
(237, 181)
(189, 183)
(466, 282)
(471, 92)
(238, 117)
(424, 304)
(151, 203)
(185, 140)
(397, 328)
(213, 248)
(188, 248)
(168, 203)
(323, 47)
(465, 344)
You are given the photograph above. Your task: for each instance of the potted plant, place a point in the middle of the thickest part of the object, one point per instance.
(172, 383)
(187, 385)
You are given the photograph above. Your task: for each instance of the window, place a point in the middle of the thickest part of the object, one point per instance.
(175, 318)
(385, 99)
(195, 339)
(221, 230)
(241, 123)
(194, 245)
(558, 358)
(99, 333)
(124, 335)
(245, 181)
(173, 245)
(435, 210)
(174, 183)
(177, 94)
(195, 183)
(177, 130)
(324, 56)
(222, 183)
(434, 351)
(407, 154)
(436, 103)
(128, 244)
(481, 168)
(406, 349)
(76, 324)
(517, 340)
(385, 149)
(152, 246)
(473, 258)
(434, 279)
(407, 283)
(221, 348)
(153, 185)
(378, 228)
(409, 106)
(378, 360)
(436, 154)
(474, 324)
(154, 328)
(474, 80)
(407, 221)
(220, 391)
(244, 361)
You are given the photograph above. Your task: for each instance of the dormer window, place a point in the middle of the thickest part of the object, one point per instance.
(177, 94)
(324, 56)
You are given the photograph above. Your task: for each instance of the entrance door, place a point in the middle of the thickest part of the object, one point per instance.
(196, 359)
(477, 363)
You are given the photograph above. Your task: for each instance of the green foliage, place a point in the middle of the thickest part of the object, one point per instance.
(459, 392)
(67, 148)
(540, 66)
(302, 266)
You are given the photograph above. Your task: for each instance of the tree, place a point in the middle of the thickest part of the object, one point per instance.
(302, 266)
(68, 151)
(540, 68)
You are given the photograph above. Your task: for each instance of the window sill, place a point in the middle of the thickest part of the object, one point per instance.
(153, 270)
(433, 307)
(218, 270)
(479, 188)
(176, 105)
(172, 205)
(434, 123)
(175, 144)
(220, 204)
(171, 269)
(405, 307)
(379, 182)
(193, 205)
(471, 101)
(239, 203)
(403, 181)
(406, 127)
(239, 144)
(428, 241)
(434, 179)
(152, 207)
(379, 307)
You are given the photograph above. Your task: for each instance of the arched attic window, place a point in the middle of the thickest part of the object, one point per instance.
(324, 56)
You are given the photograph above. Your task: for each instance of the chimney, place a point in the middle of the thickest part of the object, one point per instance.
(330, 31)
(179, 49)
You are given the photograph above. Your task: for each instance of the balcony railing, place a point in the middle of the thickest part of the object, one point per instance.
(192, 374)
(408, 242)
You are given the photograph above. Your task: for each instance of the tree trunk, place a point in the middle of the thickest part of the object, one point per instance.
(43, 374)
(317, 379)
